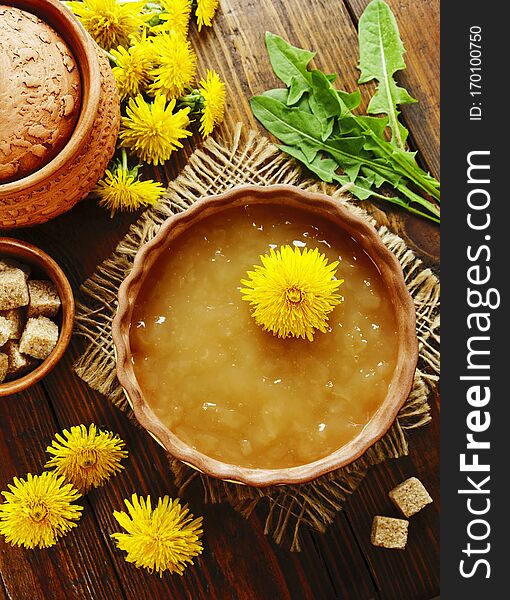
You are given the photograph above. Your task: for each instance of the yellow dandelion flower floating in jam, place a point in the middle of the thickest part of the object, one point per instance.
(132, 69)
(175, 17)
(176, 67)
(213, 93)
(109, 22)
(206, 9)
(86, 458)
(164, 539)
(38, 511)
(293, 292)
(152, 131)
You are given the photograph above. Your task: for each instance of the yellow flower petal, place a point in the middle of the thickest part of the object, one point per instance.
(293, 292)
(206, 9)
(109, 22)
(120, 189)
(38, 511)
(176, 65)
(86, 458)
(175, 17)
(132, 69)
(152, 131)
(164, 539)
(213, 93)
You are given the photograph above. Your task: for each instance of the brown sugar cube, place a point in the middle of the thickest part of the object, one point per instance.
(14, 317)
(13, 289)
(19, 364)
(44, 299)
(5, 330)
(39, 337)
(389, 533)
(410, 496)
(8, 264)
(4, 365)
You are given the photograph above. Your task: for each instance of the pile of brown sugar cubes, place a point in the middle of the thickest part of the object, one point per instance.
(409, 497)
(27, 333)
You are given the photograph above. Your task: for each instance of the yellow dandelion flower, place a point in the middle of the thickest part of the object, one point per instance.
(121, 189)
(293, 292)
(110, 22)
(206, 9)
(152, 131)
(132, 68)
(213, 93)
(175, 17)
(86, 458)
(163, 539)
(176, 65)
(38, 511)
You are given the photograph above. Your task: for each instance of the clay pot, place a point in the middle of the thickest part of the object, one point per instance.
(43, 267)
(397, 294)
(70, 175)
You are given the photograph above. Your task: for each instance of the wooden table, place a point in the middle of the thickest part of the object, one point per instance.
(238, 560)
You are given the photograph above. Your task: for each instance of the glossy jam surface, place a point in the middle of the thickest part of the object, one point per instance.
(235, 392)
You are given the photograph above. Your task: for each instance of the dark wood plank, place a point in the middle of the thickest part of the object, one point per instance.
(414, 572)
(77, 567)
(345, 571)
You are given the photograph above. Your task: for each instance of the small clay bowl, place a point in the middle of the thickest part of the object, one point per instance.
(397, 293)
(44, 267)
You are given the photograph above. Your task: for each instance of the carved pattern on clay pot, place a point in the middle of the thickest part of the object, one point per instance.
(40, 93)
(27, 201)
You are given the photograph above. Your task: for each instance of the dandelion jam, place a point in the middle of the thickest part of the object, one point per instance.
(240, 394)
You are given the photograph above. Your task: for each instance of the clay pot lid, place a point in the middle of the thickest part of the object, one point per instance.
(40, 93)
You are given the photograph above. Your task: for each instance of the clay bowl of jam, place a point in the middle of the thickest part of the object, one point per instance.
(232, 400)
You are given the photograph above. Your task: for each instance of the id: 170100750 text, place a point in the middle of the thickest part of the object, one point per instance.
(475, 72)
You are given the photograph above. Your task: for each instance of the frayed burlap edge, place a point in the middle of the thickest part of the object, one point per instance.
(215, 168)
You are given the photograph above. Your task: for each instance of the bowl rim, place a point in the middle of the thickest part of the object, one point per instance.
(21, 251)
(391, 272)
(63, 21)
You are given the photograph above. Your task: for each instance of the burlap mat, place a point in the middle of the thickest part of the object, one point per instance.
(216, 168)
